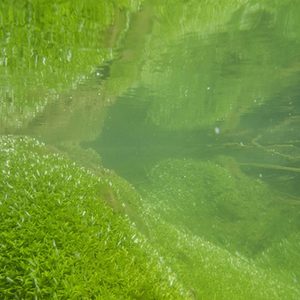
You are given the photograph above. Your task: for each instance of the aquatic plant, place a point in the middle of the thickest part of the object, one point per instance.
(211, 272)
(220, 204)
(60, 239)
(49, 48)
(217, 228)
(283, 257)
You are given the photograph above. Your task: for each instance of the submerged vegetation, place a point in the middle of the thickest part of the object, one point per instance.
(222, 231)
(194, 101)
(47, 49)
(59, 239)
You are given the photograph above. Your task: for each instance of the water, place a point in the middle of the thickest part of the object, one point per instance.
(208, 132)
(198, 108)
(203, 95)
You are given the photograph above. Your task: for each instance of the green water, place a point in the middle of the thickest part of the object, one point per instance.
(233, 92)
(209, 132)
(197, 105)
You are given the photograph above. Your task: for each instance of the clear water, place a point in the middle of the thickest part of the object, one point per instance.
(199, 109)
(233, 92)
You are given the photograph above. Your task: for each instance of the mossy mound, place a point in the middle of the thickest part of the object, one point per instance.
(220, 204)
(215, 227)
(211, 272)
(60, 240)
(284, 257)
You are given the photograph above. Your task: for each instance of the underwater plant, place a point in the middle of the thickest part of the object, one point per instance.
(60, 239)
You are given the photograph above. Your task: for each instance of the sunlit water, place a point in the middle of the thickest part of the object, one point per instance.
(185, 101)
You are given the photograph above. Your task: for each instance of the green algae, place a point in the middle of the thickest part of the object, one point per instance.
(211, 272)
(283, 256)
(222, 232)
(229, 209)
